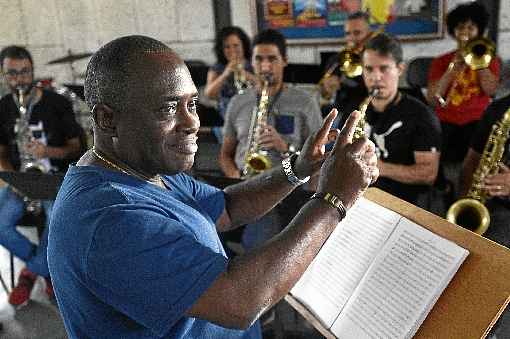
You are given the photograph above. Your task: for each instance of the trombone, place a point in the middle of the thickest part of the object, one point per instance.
(477, 53)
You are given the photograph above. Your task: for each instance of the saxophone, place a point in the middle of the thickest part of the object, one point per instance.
(470, 212)
(257, 160)
(28, 163)
(359, 130)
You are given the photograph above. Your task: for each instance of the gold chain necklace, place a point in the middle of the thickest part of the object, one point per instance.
(127, 171)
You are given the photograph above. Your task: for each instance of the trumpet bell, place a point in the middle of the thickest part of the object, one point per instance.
(471, 214)
(478, 53)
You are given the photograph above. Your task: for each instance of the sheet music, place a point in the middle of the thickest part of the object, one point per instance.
(401, 286)
(334, 274)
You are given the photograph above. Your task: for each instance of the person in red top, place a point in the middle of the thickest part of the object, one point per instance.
(458, 93)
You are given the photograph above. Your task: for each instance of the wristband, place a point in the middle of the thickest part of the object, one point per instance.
(334, 201)
(289, 172)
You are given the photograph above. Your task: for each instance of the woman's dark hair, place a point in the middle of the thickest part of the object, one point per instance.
(474, 11)
(220, 40)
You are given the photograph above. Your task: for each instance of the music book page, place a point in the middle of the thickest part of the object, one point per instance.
(378, 275)
(334, 274)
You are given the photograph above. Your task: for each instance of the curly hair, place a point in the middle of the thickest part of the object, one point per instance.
(222, 35)
(474, 11)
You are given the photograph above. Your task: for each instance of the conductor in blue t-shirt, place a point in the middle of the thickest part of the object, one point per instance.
(133, 243)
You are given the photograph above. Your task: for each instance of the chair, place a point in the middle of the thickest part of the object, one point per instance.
(417, 76)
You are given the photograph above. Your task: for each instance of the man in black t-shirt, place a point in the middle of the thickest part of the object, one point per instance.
(406, 133)
(52, 140)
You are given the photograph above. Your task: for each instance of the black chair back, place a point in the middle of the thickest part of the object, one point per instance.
(417, 72)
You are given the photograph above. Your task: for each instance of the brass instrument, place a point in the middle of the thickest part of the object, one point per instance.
(359, 130)
(478, 53)
(257, 160)
(24, 136)
(28, 163)
(349, 62)
(240, 81)
(470, 212)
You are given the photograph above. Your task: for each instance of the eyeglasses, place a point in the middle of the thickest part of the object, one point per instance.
(12, 73)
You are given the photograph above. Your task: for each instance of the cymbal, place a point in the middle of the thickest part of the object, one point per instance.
(70, 58)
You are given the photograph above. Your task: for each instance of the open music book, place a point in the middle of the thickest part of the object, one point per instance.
(378, 275)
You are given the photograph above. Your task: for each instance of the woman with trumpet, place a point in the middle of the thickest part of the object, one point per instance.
(233, 72)
(462, 82)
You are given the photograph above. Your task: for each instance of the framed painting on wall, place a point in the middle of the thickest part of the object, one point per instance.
(316, 21)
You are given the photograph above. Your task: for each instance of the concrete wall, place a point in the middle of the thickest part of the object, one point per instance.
(51, 28)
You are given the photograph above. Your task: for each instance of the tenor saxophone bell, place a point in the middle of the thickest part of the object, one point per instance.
(470, 212)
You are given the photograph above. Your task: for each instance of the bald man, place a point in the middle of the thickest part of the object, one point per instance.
(133, 245)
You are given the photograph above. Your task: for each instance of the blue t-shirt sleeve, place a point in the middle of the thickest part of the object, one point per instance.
(148, 266)
(210, 198)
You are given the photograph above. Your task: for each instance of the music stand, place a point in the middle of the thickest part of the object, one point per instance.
(34, 185)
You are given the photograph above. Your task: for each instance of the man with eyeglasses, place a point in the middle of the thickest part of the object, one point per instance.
(54, 142)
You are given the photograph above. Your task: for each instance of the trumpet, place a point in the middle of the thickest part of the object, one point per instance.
(240, 81)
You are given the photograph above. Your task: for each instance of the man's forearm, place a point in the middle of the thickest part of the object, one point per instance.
(409, 174)
(228, 167)
(69, 150)
(251, 199)
(264, 276)
(5, 165)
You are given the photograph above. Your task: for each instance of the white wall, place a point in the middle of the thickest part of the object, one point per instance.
(50, 28)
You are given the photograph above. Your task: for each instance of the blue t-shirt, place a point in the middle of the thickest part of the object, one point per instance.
(128, 258)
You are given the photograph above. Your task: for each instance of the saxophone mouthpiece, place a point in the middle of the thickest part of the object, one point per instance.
(266, 77)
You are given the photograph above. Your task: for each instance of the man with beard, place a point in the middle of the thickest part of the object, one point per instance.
(54, 135)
